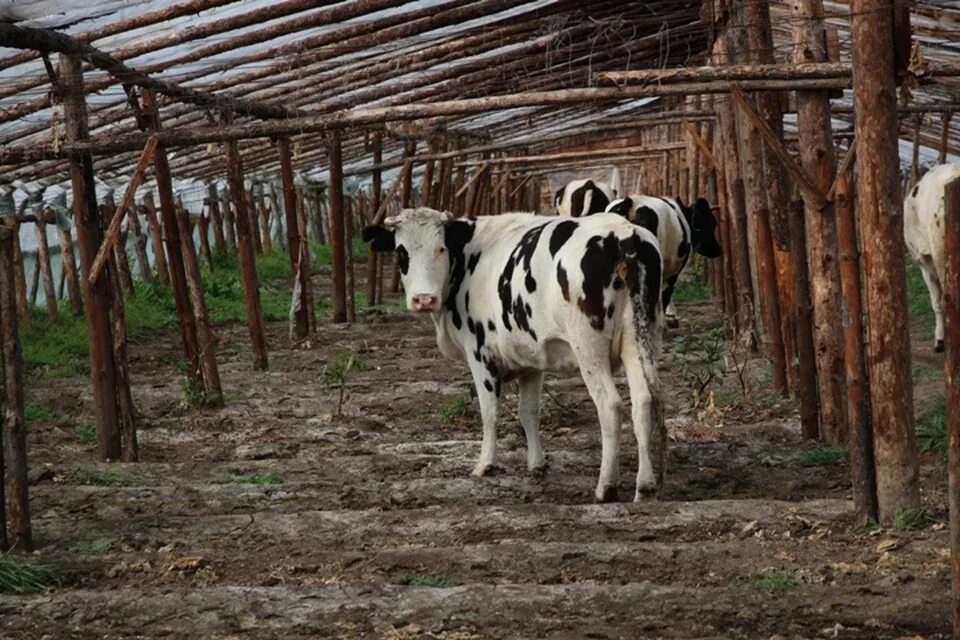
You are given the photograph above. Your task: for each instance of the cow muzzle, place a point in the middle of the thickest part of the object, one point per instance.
(423, 302)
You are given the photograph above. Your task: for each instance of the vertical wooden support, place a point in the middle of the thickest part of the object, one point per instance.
(348, 216)
(858, 389)
(406, 177)
(34, 284)
(156, 238)
(97, 303)
(43, 263)
(13, 437)
(915, 159)
(879, 210)
(203, 228)
(216, 221)
(205, 339)
(140, 246)
(171, 241)
(803, 317)
(299, 266)
(375, 195)
(69, 264)
(262, 213)
(248, 265)
(951, 369)
(819, 163)
(337, 235)
(20, 279)
(229, 223)
(120, 254)
(945, 135)
(125, 410)
(426, 191)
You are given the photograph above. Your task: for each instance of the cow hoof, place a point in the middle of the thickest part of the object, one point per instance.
(645, 492)
(481, 471)
(938, 347)
(539, 472)
(672, 322)
(608, 494)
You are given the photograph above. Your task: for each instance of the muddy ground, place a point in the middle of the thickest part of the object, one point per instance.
(277, 518)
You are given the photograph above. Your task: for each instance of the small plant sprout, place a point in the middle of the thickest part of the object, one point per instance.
(337, 372)
(17, 576)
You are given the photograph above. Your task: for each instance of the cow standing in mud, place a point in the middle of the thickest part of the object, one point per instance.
(517, 295)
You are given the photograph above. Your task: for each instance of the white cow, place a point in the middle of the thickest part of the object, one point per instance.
(517, 295)
(923, 230)
(583, 197)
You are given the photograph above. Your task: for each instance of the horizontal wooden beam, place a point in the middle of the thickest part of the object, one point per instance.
(578, 155)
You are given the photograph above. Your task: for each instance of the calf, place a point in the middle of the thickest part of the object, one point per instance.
(517, 295)
(679, 230)
(582, 197)
(923, 230)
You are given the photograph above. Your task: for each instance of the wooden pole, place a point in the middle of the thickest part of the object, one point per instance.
(375, 194)
(171, 241)
(406, 186)
(156, 239)
(944, 135)
(879, 210)
(216, 220)
(951, 369)
(337, 230)
(125, 410)
(803, 316)
(118, 253)
(348, 259)
(301, 320)
(248, 265)
(203, 224)
(97, 303)
(819, 163)
(230, 228)
(69, 264)
(43, 263)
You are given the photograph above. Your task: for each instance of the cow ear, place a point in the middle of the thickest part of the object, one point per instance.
(701, 209)
(456, 235)
(380, 239)
(622, 207)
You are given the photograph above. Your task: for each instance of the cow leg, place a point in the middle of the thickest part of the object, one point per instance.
(936, 298)
(642, 410)
(670, 311)
(531, 386)
(594, 360)
(488, 394)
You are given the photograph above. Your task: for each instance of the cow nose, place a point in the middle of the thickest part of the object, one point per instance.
(424, 302)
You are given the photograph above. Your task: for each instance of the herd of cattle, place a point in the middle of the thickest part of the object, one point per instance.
(518, 295)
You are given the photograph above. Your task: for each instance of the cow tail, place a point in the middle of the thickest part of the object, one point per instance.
(643, 278)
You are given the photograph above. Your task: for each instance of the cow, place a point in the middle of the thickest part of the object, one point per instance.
(923, 231)
(679, 229)
(518, 295)
(582, 198)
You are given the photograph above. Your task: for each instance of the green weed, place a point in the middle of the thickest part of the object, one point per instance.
(86, 433)
(92, 547)
(932, 428)
(455, 408)
(22, 577)
(425, 580)
(256, 478)
(192, 394)
(33, 412)
(700, 360)
(337, 372)
(774, 581)
(918, 299)
(914, 519)
(107, 477)
(823, 455)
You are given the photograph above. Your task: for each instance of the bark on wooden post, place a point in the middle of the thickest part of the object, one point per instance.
(348, 216)
(120, 250)
(156, 239)
(97, 304)
(337, 232)
(944, 135)
(171, 241)
(879, 210)
(250, 211)
(858, 388)
(140, 246)
(43, 262)
(216, 221)
(125, 410)
(13, 466)
(20, 279)
(951, 369)
(248, 265)
(406, 177)
(819, 164)
(203, 228)
(375, 194)
(69, 264)
(229, 224)
(803, 315)
(299, 266)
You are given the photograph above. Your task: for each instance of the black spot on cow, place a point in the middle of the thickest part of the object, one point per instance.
(561, 233)
(491, 326)
(403, 259)
(622, 207)
(466, 302)
(563, 282)
(530, 282)
(916, 188)
(647, 218)
(470, 325)
(558, 197)
(668, 287)
(522, 254)
(488, 385)
(380, 239)
(472, 262)
(522, 315)
(577, 197)
(496, 387)
(647, 256)
(598, 266)
(610, 310)
(456, 235)
(481, 340)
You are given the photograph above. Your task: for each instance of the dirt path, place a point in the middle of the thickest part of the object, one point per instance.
(367, 524)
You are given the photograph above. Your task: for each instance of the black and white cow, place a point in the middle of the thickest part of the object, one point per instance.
(517, 295)
(679, 230)
(923, 231)
(583, 197)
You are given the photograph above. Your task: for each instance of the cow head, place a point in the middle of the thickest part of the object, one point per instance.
(428, 243)
(703, 227)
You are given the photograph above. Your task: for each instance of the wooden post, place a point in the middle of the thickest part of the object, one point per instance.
(944, 135)
(915, 159)
(230, 227)
(858, 388)
(348, 223)
(803, 316)
(43, 263)
(375, 195)
(819, 164)
(337, 231)
(156, 238)
(216, 220)
(248, 266)
(34, 284)
(140, 246)
(97, 303)
(263, 215)
(951, 369)
(879, 210)
(128, 428)
(20, 279)
(120, 252)
(171, 240)
(203, 224)
(409, 149)
(426, 191)
(69, 263)
(13, 437)
(295, 237)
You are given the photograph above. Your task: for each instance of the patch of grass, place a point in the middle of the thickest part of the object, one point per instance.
(323, 253)
(256, 478)
(692, 290)
(774, 581)
(92, 547)
(33, 412)
(823, 455)
(86, 433)
(338, 371)
(914, 519)
(918, 298)
(932, 428)
(192, 394)
(17, 576)
(425, 580)
(106, 477)
(700, 360)
(455, 408)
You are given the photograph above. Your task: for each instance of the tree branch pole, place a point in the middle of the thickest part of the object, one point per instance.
(299, 257)
(951, 369)
(337, 230)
